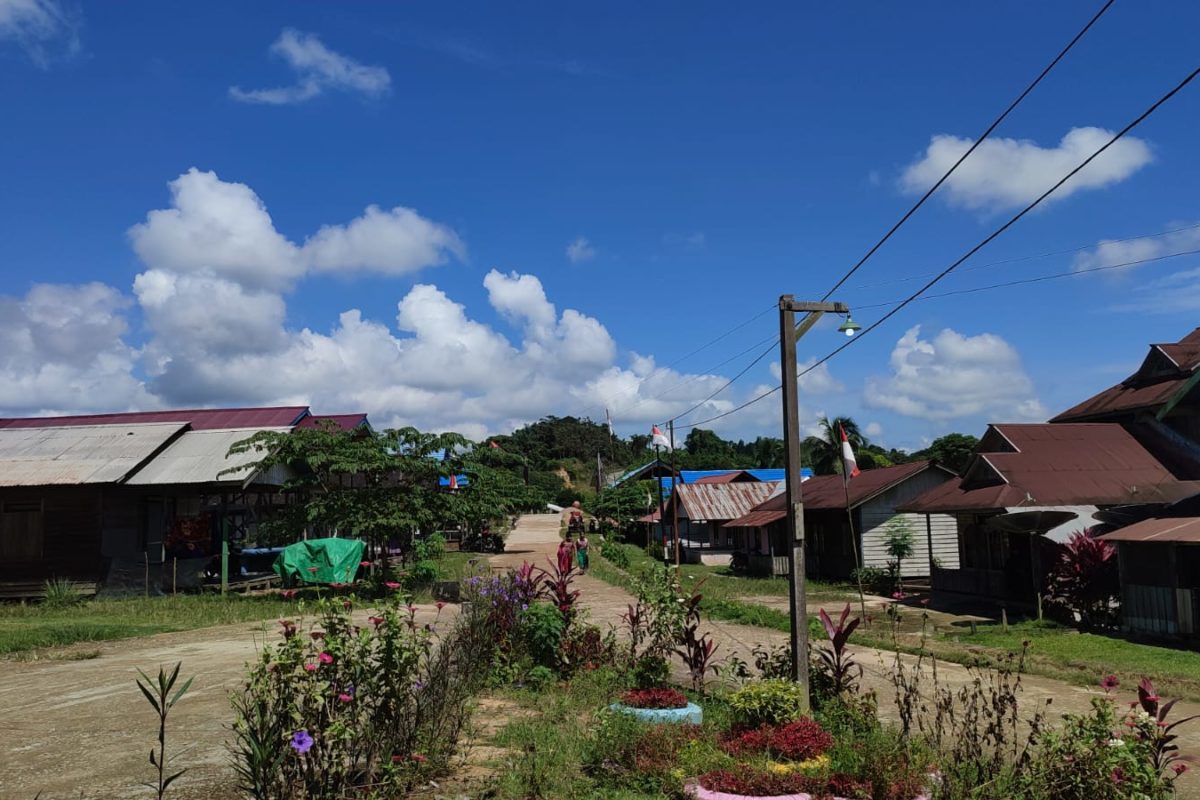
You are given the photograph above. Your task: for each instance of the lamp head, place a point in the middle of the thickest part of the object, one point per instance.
(849, 327)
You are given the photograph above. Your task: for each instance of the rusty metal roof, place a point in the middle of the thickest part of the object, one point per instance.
(721, 501)
(79, 453)
(200, 457)
(827, 492)
(1180, 529)
(199, 419)
(1057, 464)
(1165, 371)
(345, 422)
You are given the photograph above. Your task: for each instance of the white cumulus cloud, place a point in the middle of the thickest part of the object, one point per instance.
(952, 376)
(317, 69)
(1107, 252)
(1007, 173)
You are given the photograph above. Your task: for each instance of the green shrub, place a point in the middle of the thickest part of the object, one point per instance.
(61, 593)
(649, 671)
(542, 629)
(615, 553)
(875, 580)
(539, 677)
(772, 702)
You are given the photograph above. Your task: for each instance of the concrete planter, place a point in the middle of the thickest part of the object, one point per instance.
(700, 793)
(691, 714)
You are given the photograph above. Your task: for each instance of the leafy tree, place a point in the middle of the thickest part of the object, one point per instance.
(625, 503)
(1085, 580)
(707, 450)
(898, 541)
(953, 451)
(825, 451)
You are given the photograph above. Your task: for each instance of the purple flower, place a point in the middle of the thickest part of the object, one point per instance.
(418, 685)
(301, 742)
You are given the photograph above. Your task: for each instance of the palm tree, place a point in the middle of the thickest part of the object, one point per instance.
(826, 450)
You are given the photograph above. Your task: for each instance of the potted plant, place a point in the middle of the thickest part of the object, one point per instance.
(659, 705)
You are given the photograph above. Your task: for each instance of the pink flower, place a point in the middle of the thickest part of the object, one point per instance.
(288, 594)
(1118, 776)
(310, 667)
(897, 595)
(440, 605)
(925, 601)
(345, 698)
(325, 658)
(376, 621)
(312, 569)
(419, 758)
(1179, 767)
(364, 563)
(1109, 682)
(393, 585)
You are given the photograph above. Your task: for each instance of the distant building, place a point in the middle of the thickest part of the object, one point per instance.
(830, 547)
(113, 496)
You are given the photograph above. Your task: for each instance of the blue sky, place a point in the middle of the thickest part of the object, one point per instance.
(569, 198)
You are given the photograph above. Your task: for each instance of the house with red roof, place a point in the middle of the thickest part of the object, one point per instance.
(113, 497)
(845, 524)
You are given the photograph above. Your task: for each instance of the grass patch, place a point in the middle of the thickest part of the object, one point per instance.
(30, 627)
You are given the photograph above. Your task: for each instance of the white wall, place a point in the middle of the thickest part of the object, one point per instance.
(875, 515)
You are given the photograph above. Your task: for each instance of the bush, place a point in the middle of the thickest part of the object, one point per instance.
(61, 593)
(616, 554)
(585, 647)
(323, 714)
(874, 580)
(654, 698)
(542, 630)
(772, 702)
(1084, 581)
(799, 740)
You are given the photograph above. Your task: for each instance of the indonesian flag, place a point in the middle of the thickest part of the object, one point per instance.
(849, 464)
(492, 444)
(454, 481)
(658, 438)
(608, 419)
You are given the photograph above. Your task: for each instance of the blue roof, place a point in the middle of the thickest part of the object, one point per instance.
(778, 473)
(462, 481)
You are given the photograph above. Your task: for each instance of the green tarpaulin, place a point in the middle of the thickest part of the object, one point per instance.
(319, 561)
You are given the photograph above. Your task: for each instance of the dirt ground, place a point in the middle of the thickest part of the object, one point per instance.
(80, 729)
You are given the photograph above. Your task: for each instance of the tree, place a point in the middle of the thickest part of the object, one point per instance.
(825, 451)
(898, 541)
(378, 486)
(625, 503)
(953, 451)
(707, 450)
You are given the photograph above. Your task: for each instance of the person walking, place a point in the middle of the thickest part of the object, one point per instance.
(566, 554)
(581, 552)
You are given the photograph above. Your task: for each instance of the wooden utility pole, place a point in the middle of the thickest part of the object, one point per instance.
(675, 503)
(789, 333)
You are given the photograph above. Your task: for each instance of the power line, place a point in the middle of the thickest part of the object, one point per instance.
(978, 141)
(1019, 259)
(995, 123)
(1042, 278)
(729, 382)
(685, 357)
(987, 240)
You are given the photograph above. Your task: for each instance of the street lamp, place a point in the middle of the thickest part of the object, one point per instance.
(789, 333)
(849, 327)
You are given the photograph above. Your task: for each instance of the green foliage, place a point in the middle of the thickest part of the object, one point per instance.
(539, 677)
(162, 696)
(624, 503)
(953, 451)
(770, 702)
(615, 553)
(875, 580)
(61, 593)
(542, 626)
(324, 714)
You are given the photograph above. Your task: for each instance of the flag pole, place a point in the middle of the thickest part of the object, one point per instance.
(862, 601)
(674, 505)
(658, 481)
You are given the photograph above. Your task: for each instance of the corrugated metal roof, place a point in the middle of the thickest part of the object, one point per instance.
(200, 419)
(345, 422)
(79, 453)
(1058, 464)
(721, 501)
(200, 457)
(826, 493)
(1149, 387)
(1179, 529)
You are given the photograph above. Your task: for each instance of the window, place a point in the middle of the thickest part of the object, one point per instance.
(21, 530)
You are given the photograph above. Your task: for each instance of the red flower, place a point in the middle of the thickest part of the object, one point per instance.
(1147, 697)
(393, 585)
(1179, 767)
(1109, 683)
(345, 698)
(364, 563)
(376, 621)
(419, 758)
(288, 594)
(310, 667)
(325, 658)
(440, 605)
(1118, 776)
(897, 595)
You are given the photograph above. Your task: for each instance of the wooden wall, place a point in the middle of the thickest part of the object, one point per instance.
(71, 523)
(875, 515)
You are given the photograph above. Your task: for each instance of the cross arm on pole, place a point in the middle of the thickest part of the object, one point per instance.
(812, 312)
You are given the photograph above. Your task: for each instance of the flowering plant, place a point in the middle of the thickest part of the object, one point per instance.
(320, 715)
(800, 740)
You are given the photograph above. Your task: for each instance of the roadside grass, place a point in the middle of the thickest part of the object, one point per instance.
(1055, 651)
(26, 627)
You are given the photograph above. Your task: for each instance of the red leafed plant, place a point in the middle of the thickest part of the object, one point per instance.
(799, 740)
(655, 698)
(839, 667)
(1084, 580)
(753, 782)
(1159, 732)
